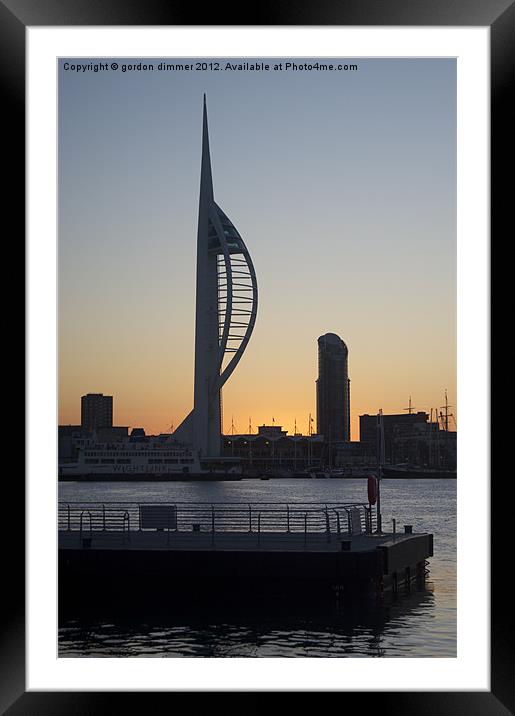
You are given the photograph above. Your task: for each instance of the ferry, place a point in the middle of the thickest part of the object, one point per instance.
(132, 458)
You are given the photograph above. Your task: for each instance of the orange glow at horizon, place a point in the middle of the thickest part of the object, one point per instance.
(148, 401)
(344, 191)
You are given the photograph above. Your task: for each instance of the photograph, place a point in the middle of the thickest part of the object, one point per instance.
(257, 357)
(257, 302)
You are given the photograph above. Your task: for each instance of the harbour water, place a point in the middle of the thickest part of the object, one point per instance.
(419, 624)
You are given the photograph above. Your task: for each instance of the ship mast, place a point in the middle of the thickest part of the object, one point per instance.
(410, 408)
(446, 415)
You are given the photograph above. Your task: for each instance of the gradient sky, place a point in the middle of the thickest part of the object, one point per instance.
(343, 186)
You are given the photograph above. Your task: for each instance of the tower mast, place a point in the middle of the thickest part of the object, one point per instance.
(226, 309)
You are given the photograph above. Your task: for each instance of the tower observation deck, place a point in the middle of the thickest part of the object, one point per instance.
(226, 308)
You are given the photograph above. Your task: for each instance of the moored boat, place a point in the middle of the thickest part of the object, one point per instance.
(410, 472)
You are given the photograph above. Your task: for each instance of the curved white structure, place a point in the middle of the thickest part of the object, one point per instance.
(227, 298)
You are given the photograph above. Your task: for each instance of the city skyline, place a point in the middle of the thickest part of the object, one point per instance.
(297, 427)
(345, 189)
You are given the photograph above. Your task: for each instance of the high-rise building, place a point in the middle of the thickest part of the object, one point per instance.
(225, 311)
(96, 411)
(333, 389)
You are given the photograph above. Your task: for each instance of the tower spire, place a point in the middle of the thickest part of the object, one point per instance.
(221, 252)
(206, 179)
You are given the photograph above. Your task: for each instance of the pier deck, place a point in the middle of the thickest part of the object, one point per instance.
(136, 551)
(228, 541)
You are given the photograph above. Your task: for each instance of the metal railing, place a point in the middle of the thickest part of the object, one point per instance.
(307, 518)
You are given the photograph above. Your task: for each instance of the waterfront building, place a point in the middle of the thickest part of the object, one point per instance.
(353, 454)
(226, 308)
(68, 437)
(272, 449)
(333, 389)
(96, 411)
(424, 445)
(411, 438)
(393, 425)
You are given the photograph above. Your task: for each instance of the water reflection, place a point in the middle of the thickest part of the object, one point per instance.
(419, 624)
(288, 630)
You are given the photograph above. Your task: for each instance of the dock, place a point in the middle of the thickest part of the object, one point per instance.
(224, 549)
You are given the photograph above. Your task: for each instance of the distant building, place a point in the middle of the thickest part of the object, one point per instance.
(353, 454)
(272, 431)
(137, 433)
(411, 438)
(424, 445)
(96, 411)
(333, 389)
(391, 424)
(114, 434)
(273, 449)
(68, 438)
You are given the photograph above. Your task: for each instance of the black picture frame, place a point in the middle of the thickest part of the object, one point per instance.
(499, 15)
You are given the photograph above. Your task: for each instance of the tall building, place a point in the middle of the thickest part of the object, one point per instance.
(96, 411)
(226, 308)
(333, 389)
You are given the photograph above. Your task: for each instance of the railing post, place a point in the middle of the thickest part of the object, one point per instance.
(80, 525)
(327, 525)
(212, 525)
(259, 529)
(338, 530)
(69, 521)
(126, 518)
(305, 528)
(287, 518)
(103, 518)
(250, 518)
(394, 523)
